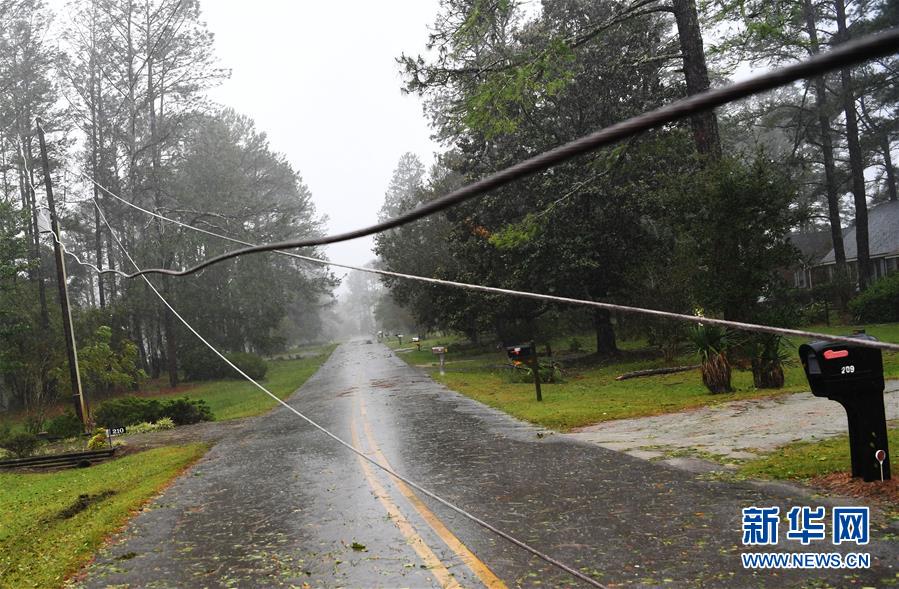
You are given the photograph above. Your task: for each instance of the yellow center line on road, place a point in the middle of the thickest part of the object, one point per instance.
(477, 566)
(434, 564)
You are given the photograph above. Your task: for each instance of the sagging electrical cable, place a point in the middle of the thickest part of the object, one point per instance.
(74, 256)
(549, 559)
(862, 49)
(751, 327)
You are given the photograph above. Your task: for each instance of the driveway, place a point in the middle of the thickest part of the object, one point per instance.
(741, 429)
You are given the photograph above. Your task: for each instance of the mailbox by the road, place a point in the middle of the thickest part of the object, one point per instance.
(527, 354)
(441, 352)
(521, 353)
(853, 377)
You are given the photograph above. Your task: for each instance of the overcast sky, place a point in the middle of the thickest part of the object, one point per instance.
(320, 78)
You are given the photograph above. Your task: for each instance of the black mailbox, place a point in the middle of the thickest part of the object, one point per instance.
(853, 377)
(522, 352)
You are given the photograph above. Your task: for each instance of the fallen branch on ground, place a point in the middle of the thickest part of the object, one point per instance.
(655, 371)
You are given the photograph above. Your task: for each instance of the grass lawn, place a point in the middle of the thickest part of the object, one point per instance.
(591, 394)
(232, 399)
(805, 460)
(44, 536)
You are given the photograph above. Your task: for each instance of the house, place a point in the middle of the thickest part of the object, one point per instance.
(883, 246)
(812, 246)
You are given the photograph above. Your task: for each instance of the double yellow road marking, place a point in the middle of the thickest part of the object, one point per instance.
(432, 562)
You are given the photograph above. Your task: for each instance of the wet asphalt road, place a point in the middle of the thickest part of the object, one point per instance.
(279, 504)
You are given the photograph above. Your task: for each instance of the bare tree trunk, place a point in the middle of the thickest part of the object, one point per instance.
(883, 145)
(856, 163)
(98, 233)
(110, 261)
(888, 165)
(141, 345)
(696, 74)
(169, 319)
(830, 175)
(605, 332)
(32, 205)
(158, 352)
(171, 348)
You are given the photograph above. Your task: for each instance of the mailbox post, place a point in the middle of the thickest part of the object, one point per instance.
(527, 354)
(440, 351)
(853, 377)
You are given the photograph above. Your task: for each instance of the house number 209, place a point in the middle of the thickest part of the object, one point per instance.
(847, 369)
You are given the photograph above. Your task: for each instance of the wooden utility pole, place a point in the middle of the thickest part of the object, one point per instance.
(72, 353)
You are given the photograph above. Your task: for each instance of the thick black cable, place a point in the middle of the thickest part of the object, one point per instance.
(751, 327)
(869, 47)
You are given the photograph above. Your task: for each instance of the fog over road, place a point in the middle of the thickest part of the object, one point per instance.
(279, 504)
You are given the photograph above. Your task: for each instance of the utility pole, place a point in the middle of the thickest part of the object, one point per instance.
(72, 353)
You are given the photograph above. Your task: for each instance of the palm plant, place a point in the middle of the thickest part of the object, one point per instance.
(710, 343)
(769, 352)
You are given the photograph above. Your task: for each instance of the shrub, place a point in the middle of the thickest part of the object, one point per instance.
(769, 354)
(549, 373)
(201, 364)
(66, 425)
(20, 445)
(204, 365)
(141, 428)
(34, 423)
(126, 411)
(130, 411)
(164, 423)
(185, 411)
(253, 365)
(107, 367)
(710, 343)
(98, 442)
(880, 303)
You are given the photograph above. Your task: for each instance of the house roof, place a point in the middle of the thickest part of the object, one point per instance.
(812, 245)
(883, 234)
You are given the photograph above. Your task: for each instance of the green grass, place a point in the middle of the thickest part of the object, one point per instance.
(805, 460)
(233, 399)
(592, 394)
(39, 547)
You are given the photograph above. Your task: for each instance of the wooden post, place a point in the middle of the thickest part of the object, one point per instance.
(535, 366)
(77, 395)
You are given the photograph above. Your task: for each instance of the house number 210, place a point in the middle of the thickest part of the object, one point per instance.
(847, 369)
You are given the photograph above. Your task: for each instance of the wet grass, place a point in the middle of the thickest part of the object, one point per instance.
(233, 399)
(54, 522)
(806, 460)
(590, 393)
